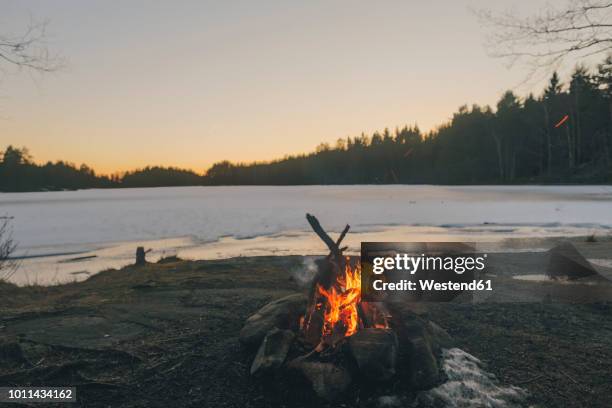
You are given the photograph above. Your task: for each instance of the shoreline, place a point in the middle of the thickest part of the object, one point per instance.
(517, 184)
(62, 267)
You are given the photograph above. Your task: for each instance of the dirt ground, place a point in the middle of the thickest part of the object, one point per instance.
(166, 335)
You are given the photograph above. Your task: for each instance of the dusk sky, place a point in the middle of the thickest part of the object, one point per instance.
(190, 83)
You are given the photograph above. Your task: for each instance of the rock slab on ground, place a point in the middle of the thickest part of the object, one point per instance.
(566, 262)
(439, 338)
(415, 327)
(328, 380)
(283, 313)
(272, 352)
(375, 351)
(425, 371)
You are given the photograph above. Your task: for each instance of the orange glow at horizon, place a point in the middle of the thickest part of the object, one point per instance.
(190, 84)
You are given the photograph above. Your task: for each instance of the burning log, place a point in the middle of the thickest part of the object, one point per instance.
(328, 269)
(335, 310)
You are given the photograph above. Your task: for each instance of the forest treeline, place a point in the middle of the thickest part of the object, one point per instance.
(18, 172)
(563, 135)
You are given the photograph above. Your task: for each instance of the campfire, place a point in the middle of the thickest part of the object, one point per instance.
(335, 310)
(332, 339)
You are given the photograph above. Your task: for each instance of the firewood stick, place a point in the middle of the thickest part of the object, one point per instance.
(363, 316)
(316, 226)
(342, 235)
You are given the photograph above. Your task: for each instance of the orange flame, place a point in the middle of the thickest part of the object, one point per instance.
(342, 309)
(341, 317)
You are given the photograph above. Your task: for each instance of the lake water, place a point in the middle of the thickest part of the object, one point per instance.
(105, 226)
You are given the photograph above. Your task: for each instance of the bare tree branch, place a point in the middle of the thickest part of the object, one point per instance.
(581, 29)
(29, 50)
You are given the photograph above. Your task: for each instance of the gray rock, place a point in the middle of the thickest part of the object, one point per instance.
(415, 327)
(566, 262)
(375, 351)
(439, 338)
(283, 313)
(272, 352)
(424, 367)
(328, 381)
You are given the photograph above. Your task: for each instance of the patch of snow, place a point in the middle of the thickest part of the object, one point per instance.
(469, 385)
(536, 277)
(607, 263)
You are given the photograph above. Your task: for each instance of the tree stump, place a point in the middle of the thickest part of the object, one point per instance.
(140, 256)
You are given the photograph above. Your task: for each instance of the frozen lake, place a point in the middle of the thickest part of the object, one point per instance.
(51, 228)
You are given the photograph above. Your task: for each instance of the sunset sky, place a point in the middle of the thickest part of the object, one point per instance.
(190, 83)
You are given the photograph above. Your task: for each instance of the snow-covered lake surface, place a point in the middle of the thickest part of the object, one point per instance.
(53, 228)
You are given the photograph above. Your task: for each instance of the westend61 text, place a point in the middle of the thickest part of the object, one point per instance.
(431, 285)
